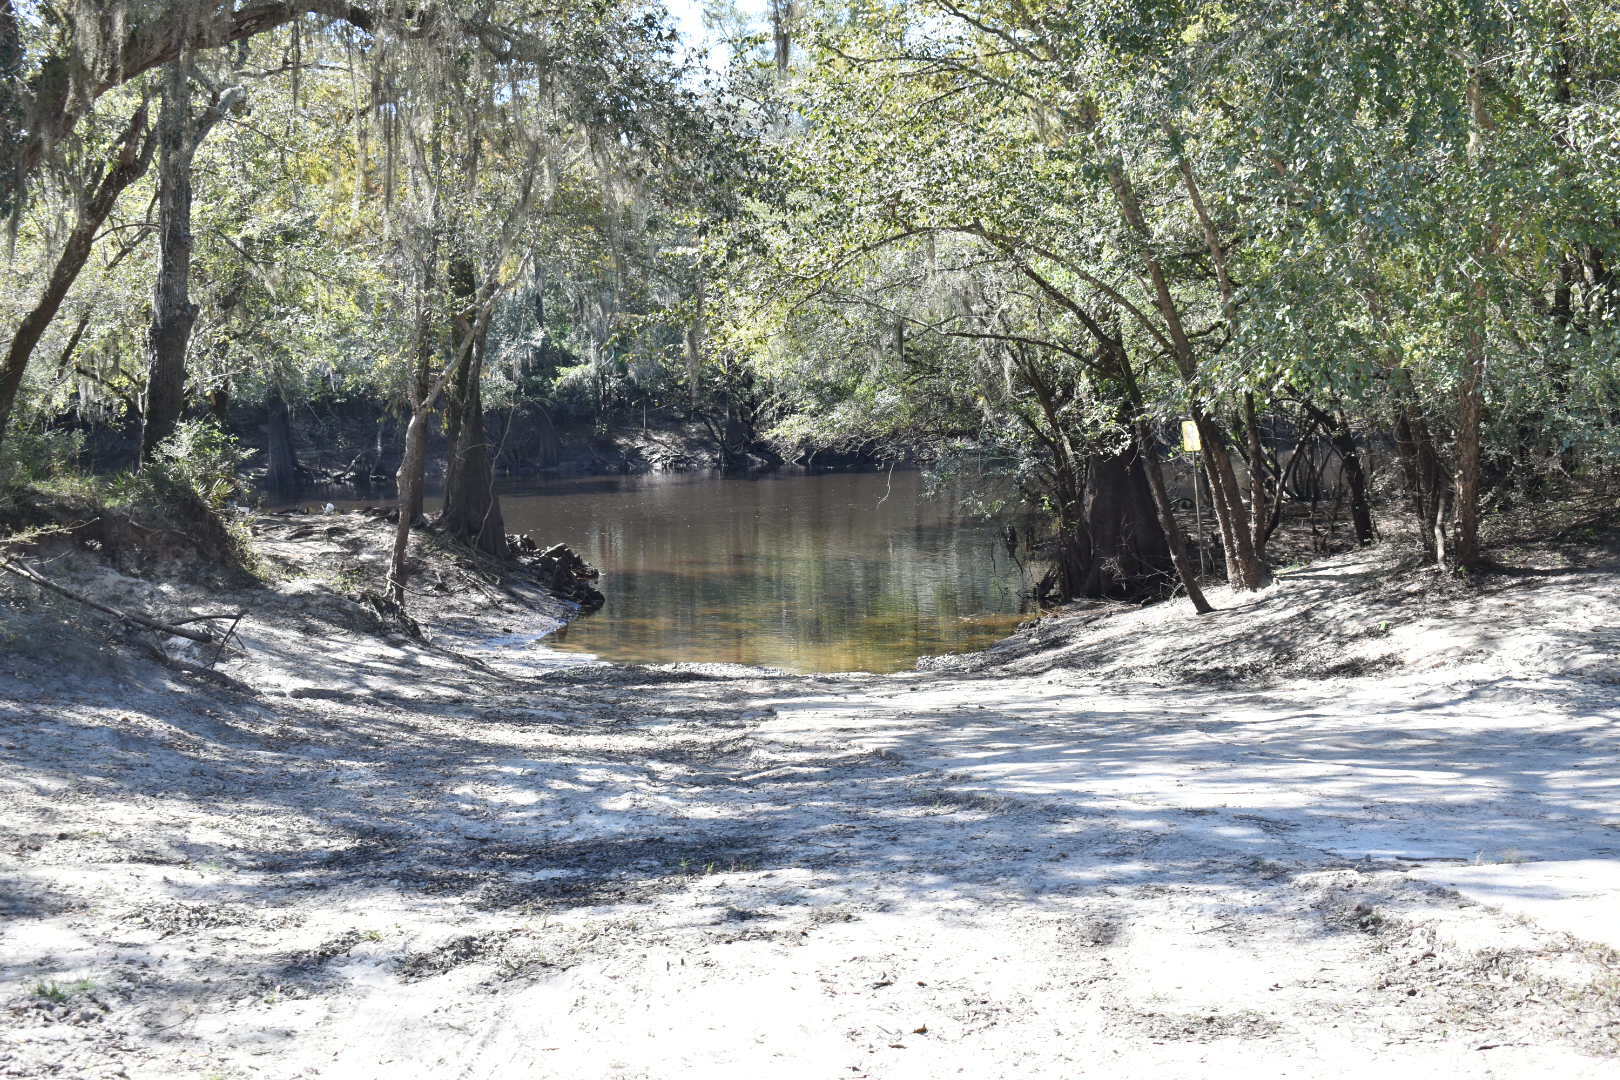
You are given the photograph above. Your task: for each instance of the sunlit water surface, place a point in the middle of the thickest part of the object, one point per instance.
(830, 572)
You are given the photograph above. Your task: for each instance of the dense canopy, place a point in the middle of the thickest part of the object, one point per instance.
(1043, 234)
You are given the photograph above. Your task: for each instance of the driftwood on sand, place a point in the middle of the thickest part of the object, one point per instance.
(203, 637)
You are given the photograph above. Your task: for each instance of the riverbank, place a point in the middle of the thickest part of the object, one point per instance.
(1367, 819)
(356, 445)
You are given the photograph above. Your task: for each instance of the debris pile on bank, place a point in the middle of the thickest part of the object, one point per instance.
(560, 567)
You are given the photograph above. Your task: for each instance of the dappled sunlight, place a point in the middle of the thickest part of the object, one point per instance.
(1471, 778)
(390, 836)
(666, 844)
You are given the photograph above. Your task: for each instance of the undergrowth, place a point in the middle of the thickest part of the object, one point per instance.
(174, 509)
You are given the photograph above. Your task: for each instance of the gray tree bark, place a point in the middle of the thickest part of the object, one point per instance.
(13, 114)
(134, 156)
(282, 472)
(409, 480)
(422, 393)
(472, 510)
(1465, 552)
(1428, 484)
(1244, 568)
(179, 134)
(1147, 449)
(173, 313)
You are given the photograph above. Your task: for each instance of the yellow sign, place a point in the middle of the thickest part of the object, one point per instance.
(1189, 437)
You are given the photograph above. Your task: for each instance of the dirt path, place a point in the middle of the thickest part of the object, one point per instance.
(389, 864)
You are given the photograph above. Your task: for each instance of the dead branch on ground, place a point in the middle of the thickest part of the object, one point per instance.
(203, 637)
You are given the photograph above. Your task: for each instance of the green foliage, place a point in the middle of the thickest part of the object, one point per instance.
(1367, 208)
(980, 229)
(32, 454)
(59, 993)
(328, 207)
(202, 459)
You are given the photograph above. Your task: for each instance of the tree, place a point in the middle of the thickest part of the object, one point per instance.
(131, 156)
(179, 134)
(1195, 188)
(488, 141)
(74, 54)
(961, 345)
(94, 46)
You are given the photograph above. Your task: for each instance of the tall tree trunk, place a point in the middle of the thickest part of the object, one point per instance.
(1259, 515)
(281, 473)
(1471, 396)
(409, 480)
(135, 148)
(1129, 553)
(784, 13)
(462, 279)
(1427, 483)
(1175, 538)
(463, 282)
(173, 313)
(694, 346)
(472, 510)
(1355, 475)
(420, 396)
(424, 396)
(179, 134)
(411, 497)
(455, 415)
(1248, 528)
(1470, 414)
(13, 116)
(1147, 449)
(1244, 569)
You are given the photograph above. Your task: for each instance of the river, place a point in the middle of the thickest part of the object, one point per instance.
(817, 572)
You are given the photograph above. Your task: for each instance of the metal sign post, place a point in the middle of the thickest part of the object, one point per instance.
(1193, 445)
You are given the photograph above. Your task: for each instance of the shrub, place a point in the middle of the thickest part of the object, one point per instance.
(29, 454)
(201, 457)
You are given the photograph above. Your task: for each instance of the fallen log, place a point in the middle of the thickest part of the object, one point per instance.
(202, 637)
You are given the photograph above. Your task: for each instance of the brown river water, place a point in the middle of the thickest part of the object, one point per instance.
(824, 572)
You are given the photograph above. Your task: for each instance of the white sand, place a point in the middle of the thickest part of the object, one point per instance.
(1072, 863)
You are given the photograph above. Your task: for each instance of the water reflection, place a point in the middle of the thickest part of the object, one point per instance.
(829, 572)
